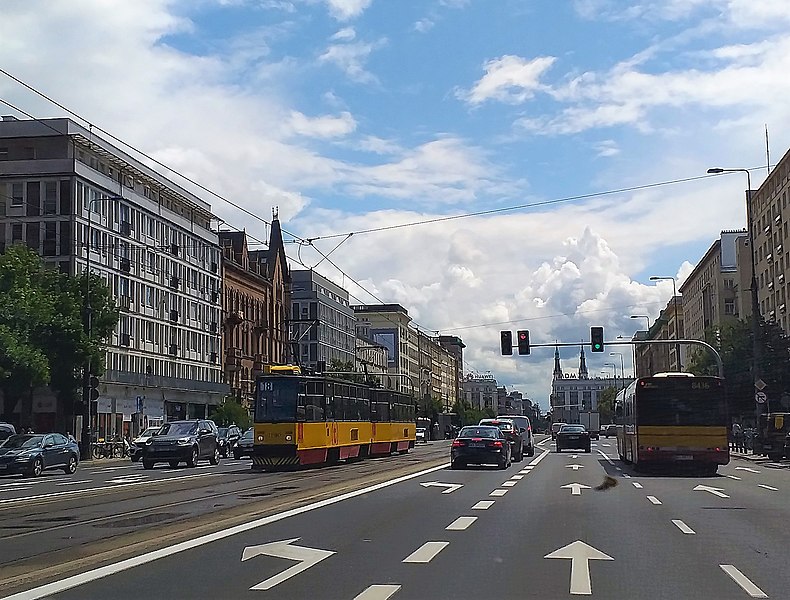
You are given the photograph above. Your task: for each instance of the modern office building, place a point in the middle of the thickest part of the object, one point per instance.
(85, 204)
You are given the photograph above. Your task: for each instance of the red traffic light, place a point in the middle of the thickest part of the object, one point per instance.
(523, 341)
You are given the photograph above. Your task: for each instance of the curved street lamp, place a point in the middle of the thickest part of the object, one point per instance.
(677, 322)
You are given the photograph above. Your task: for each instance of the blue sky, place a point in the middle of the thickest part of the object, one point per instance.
(356, 114)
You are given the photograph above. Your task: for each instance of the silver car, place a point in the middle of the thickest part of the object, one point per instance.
(524, 424)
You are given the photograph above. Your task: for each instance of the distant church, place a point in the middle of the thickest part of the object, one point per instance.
(571, 393)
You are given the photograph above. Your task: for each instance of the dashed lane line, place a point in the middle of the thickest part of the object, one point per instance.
(509, 483)
(426, 552)
(768, 487)
(378, 592)
(743, 581)
(461, 523)
(683, 527)
(498, 493)
(535, 461)
(517, 477)
(75, 482)
(637, 485)
(733, 477)
(609, 460)
(654, 500)
(483, 505)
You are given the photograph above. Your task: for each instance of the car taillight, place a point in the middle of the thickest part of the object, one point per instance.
(496, 444)
(458, 444)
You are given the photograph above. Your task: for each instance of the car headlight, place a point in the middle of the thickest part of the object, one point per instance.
(184, 441)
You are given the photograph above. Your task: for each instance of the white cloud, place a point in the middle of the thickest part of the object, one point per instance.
(322, 127)
(606, 148)
(510, 79)
(345, 10)
(424, 25)
(351, 59)
(346, 34)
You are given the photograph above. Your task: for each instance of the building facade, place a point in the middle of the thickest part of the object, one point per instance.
(84, 204)
(256, 299)
(322, 321)
(480, 391)
(663, 357)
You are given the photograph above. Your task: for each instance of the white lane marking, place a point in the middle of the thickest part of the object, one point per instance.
(108, 487)
(733, 477)
(654, 500)
(75, 482)
(426, 552)
(768, 487)
(574, 467)
(378, 592)
(715, 491)
(498, 493)
(743, 581)
(483, 505)
(637, 485)
(683, 527)
(94, 574)
(626, 475)
(609, 460)
(306, 557)
(606, 445)
(517, 477)
(110, 469)
(575, 488)
(747, 469)
(461, 523)
(18, 484)
(618, 468)
(580, 555)
(574, 456)
(535, 461)
(509, 483)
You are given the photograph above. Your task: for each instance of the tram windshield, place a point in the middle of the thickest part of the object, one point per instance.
(276, 401)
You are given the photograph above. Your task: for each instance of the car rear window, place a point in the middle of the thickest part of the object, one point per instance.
(572, 429)
(479, 432)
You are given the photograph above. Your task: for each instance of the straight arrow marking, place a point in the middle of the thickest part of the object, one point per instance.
(307, 557)
(715, 491)
(574, 467)
(580, 555)
(576, 488)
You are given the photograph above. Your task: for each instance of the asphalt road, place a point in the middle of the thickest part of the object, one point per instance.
(526, 532)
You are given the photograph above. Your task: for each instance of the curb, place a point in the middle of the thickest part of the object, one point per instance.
(749, 457)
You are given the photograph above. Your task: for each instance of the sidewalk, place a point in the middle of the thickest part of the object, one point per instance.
(106, 462)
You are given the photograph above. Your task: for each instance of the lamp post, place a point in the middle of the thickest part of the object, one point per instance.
(622, 367)
(88, 323)
(647, 328)
(614, 369)
(677, 322)
(756, 349)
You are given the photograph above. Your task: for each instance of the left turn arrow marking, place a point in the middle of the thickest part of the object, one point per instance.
(307, 557)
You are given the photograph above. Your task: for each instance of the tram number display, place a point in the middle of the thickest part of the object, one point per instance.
(266, 386)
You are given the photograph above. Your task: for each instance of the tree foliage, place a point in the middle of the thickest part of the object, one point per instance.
(467, 415)
(231, 412)
(343, 368)
(606, 404)
(42, 333)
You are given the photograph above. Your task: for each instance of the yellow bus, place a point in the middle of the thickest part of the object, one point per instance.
(673, 419)
(318, 419)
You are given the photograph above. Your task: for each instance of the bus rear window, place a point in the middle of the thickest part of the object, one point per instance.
(681, 405)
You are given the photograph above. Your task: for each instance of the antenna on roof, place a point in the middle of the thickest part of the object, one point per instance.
(767, 151)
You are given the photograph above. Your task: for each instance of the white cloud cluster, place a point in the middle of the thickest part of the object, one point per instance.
(509, 78)
(345, 10)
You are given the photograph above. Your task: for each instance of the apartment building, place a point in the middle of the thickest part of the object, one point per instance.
(84, 204)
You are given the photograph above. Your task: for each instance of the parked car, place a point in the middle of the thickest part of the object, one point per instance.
(420, 434)
(32, 453)
(512, 433)
(609, 430)
(244, 445)
(228, 437)
(136, 447)
(555, 427)
(480, 444)
(527, 433)
(182, 441)
(573, 437)
(6, 431)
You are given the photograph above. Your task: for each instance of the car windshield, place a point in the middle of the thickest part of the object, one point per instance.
(23, 441)
(479, 431)
(223, 432)
(150, 431)
(188, 428)
(572, 429)
(248, 434)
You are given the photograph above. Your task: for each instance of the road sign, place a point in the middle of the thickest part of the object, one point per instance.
(580, 555)
(760, 384)
(760, 397)
(307, 557)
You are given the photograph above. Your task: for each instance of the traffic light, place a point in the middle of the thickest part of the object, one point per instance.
(506, 341)
(596, 339)
(93, 384)
(523, 341)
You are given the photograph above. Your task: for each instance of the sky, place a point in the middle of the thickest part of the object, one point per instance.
(541, 158)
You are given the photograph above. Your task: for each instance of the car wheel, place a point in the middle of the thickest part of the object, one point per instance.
(558, 448)
(237, 455)
(520, 456)
(456, 464)
(214, 460)
(148, 464)
(71, 465)
(37, 467)
(531, 450)
(588, 449)
(173, 464)
(193, 458)
(135, 458)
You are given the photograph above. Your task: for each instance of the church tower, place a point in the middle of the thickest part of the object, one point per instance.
(583, 366)
(557, 368)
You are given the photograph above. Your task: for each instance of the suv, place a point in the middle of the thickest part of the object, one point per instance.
(6, 431)
(228, 436)
(136, 447)
(512, 433)
(182, 441)
(525, 427)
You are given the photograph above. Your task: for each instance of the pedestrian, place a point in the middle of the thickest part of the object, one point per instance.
(737, 434)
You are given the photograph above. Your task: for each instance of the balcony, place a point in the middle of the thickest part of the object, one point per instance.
(233, 359)
(125, 302)
(259, 361)
(126, 265)
(125, 228)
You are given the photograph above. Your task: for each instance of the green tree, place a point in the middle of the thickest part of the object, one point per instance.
(231, 412)
(345, 367)
(606, 404)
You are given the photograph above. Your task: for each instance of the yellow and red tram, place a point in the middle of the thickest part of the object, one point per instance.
(317, 419)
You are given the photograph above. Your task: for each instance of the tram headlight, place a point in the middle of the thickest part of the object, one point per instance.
(288, 437)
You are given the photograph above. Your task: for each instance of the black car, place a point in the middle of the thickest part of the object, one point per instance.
(481, 445)
(244, 445)
(31, 453)
(6, 431)
(574, 437)
(512, 433)
(228, 436)
(182, 441)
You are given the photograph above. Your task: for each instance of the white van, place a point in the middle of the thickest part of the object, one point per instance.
(525, 426)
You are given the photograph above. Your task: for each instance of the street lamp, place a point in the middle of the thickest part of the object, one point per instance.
(622, 367)
(614, 369)
(645, 317)
(677, 322)
(756, 350)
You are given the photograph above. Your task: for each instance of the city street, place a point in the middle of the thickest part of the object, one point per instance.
(551, 526)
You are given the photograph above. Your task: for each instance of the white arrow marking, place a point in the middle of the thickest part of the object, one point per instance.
(307, 557)
(576, 488)
(378, 592)
(747, 469)
(574, 467)
(768, 487)
(580, 555)
(715, 491)
(743, 581)
(451, 487)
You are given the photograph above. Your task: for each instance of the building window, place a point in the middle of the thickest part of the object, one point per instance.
(50, 198)
(3, 153)
(17, 195)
